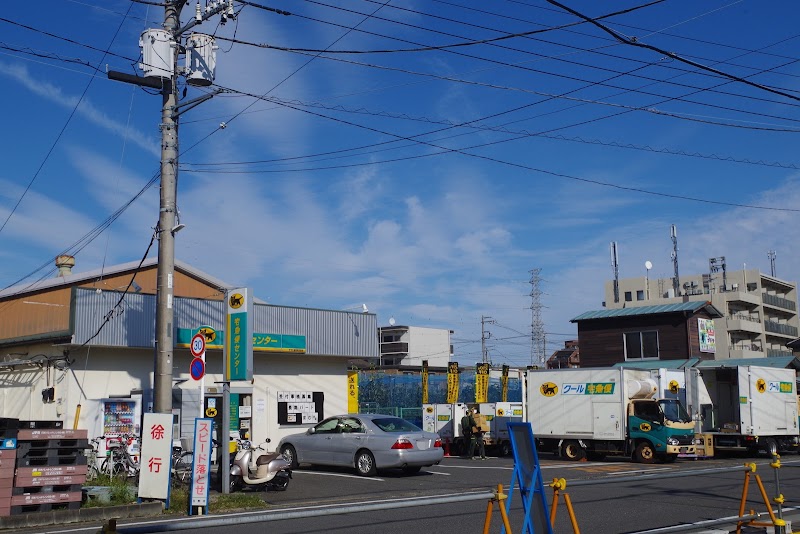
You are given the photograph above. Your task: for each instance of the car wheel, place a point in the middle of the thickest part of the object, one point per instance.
(290, 454)
(572, 450)
(644, 453)
(409, 470)
(365, 463)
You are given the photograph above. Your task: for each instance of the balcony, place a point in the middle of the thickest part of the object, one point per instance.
(780, 328)
(745, 353)
(779, 302)
(777, 353)
(394, 348)
(740, 322)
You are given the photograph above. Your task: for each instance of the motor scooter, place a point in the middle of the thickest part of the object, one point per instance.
(271, 472)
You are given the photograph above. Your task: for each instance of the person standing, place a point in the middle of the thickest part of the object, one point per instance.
(477, 438)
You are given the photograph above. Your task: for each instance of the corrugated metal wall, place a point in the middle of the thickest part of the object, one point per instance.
(132, 323)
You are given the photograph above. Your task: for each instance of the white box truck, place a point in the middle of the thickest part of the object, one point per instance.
(445, 419)
(593, 413)
(744, 408)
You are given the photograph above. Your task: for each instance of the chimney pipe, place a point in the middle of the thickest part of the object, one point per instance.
(65, 263)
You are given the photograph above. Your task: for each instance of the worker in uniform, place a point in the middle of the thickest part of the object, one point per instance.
(472, 431)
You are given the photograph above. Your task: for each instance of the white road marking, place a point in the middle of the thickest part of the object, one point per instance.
(344, 475)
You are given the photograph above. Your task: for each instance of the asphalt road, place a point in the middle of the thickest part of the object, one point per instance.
(612, 496)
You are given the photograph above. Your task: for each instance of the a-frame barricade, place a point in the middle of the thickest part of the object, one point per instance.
(527, 476)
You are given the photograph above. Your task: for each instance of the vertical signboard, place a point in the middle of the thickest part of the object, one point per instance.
(452, 382)
(239, 335)
(156, 456)
(424, 381)
(352, 392)
(504, 384)
(482, 382)
(708, 340)
(201, 466)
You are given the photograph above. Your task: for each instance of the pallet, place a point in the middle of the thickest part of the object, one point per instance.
(46, 498)
(58, 480)
(47, 507)
(53, 461)
(50, 453)
(52, 471)
(24, 445)
(41, 424)
(51, 433)
(35, 491)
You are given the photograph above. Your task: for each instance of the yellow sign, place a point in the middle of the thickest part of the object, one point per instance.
(645, 427)
(674, 386)
(424, 381)
(209, 333)
(500, 412)
(352, 392)
(482, 382)
(236, 300)
(211, 412)
(761, 385)
(429, 409)
(548, 389)
(452, 382)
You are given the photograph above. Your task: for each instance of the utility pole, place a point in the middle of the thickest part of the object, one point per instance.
(676, 282)
(484, 337)
(162, 379)
(771, 255)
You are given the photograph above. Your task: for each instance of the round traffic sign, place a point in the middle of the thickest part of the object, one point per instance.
(197, 369)
(198, 345)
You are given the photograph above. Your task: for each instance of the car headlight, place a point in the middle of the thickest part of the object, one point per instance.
(673, 441)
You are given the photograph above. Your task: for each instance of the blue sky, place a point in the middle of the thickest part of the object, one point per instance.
(426, 184)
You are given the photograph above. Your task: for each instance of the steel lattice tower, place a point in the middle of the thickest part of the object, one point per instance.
(537, 326)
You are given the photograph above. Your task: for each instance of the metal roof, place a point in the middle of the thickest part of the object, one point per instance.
(659, 364)
(780, 362)
(77, 278)
(691, 306)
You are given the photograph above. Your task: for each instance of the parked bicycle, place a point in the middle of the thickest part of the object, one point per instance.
(93, 459)
(182, 461)
(121, 463)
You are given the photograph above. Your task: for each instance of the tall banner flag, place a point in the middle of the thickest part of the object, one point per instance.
(352, 391)
(424, 381)
(452, 382)
(239, 335)
(504, 384)
(482, 382)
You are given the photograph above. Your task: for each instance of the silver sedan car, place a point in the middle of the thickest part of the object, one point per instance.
(367, 442)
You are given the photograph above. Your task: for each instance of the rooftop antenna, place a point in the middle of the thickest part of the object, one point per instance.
(673, 232)
(716, 265)
(771, 255)
(615, 267)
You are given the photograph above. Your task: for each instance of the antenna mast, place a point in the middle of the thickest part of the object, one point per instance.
(673, 232)
(615, 268)
(771, 255)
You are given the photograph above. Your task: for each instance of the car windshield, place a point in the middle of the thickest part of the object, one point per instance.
(674, 411)
(395, 424)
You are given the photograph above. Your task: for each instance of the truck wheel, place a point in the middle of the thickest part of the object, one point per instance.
(644, 453)
(504, 449)
(770, 447)
(572, 450)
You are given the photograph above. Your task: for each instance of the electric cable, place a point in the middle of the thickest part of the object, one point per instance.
(60, 133)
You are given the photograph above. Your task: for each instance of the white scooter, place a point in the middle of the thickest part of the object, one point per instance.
(271, 472)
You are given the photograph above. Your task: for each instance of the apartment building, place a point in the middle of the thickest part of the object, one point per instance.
(410, 345)
(759, 311)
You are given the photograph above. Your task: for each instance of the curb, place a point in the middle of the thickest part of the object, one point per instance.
(60, 517)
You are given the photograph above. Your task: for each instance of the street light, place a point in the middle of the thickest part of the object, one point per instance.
(647, 266)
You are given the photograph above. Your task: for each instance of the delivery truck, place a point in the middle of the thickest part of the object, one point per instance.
(445, 420)
(734, 408)
(593, 413)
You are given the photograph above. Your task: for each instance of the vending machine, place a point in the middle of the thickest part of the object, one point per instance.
(120, 416)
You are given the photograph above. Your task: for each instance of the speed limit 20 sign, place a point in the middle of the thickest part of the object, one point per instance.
(198, 346)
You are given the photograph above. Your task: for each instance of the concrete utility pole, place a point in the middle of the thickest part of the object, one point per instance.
(162, 379)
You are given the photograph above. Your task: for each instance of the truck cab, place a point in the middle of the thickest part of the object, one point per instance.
(659, 429)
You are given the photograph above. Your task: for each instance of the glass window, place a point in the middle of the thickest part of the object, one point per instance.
(628, 296)
(639, 294)
(395, 424)
(328, 426)
(640, 345)
(351, 425)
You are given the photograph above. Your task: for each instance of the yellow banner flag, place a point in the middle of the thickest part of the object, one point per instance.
(504, 384)
(352, 392)
(482, 382)
(452, 382)
(424, 381)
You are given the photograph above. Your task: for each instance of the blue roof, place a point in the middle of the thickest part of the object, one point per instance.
(781, 362)
(691, 306)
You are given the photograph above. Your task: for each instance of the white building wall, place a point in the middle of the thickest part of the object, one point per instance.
(118, 372)
(432, 344)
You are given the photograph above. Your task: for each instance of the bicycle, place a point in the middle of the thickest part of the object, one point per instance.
(182, 462)
(92, 459)
(120, 463)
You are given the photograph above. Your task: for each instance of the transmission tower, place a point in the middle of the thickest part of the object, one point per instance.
(537, 326)
(485, 336)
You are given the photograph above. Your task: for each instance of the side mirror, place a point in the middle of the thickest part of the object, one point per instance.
(310, 431)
